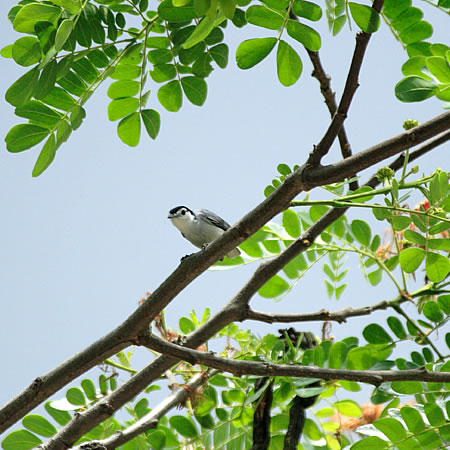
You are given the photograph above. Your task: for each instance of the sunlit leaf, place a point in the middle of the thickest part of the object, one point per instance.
(253, 51)
(129, 129)
(289, 64)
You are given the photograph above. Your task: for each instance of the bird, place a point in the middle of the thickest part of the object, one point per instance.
(200, 227)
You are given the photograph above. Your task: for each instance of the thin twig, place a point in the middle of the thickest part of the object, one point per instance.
(330, 100)
(362, 40)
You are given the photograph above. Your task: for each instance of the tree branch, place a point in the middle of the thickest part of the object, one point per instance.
(322, 315)
(362, 40)
(243, 367)
(235, 310)
(333, 173)
(150, 420)
(330, 100)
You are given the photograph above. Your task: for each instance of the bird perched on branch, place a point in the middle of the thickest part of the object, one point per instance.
(200, 227)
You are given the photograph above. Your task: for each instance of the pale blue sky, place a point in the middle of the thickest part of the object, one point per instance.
(81, 244)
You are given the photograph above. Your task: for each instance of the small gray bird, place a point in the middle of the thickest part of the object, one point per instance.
(200, 227)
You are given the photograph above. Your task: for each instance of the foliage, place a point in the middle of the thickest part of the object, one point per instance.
(72, 46)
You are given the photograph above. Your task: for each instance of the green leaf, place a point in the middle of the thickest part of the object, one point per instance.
(126, 72)
(396, 326)
(264, 17)
(413, 419)
(291, 223)
(170, 96)
(89, 388)
(375, 334)
(73, 6)
(308, 10)
(414, 89)
(63, 33)
(220, 55)
(46, 81)
(432, 311)
(437, 266)
(202, 67)
(38, 114)
(157, 439)
(416, 238)
(59, 99)
(32, 13)
(307, 36)
(375, 277)
(22, 89)
(362, 232)
(163, 72)
(399, 223)
(39, 425)
(24, 136)
(159, 56)
(6, 51)
(365, 17)
(338, 24)
(407, 387)
(418, 32)
(167, 11)
(434, 414)
(195, 89)
(20, 440)
(336, 358)
(439, 67)
(202, 6)
(152, 122)
(411, 258)
(444, 303)
(157, 42)
(311, 430)
(186, 325)
(46, 156)
(26, 51)
(253, 51)
(117, 109)
(275, 287)
(184, 426)
(289, 64)
(73, 84)
(348, 408)
(391, 428)
(129, 129)
(123, 88)
(228, 7)
(203, 29)
(61, 417)
(75, 396)
(370, 443)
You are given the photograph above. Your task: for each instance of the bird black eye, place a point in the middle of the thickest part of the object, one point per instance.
(183, 211)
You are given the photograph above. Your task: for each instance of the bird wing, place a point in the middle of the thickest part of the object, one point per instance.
(214, 219)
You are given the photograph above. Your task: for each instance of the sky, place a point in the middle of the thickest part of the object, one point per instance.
(82, 243)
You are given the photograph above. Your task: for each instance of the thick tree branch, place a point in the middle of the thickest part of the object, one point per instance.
(362, 40)
(150, 420)
(193, 266)
(235, 310)
(340, 170)
(242, 367)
